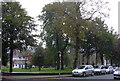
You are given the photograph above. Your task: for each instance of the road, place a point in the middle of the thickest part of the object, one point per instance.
(108, 77)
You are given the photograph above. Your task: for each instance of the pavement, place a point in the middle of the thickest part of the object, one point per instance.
(10, 77)
(31, 76)
(108, 77)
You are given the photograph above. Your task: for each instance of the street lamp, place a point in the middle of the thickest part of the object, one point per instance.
(59, 62)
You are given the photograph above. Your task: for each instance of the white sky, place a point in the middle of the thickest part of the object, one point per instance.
(34, 7)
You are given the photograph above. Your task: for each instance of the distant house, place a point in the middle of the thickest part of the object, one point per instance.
(20, 59)
(19, 62)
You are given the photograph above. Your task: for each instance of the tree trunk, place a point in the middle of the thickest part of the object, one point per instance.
(83, 60)
(87, 59)
(11, 54)
(76, 33)
(111, 62)
(39, 68)
(96, 58)
(62, 60)
(58, 50)
(62, 53)
(76, 53)
(101, 58)
(58, 62)
(11, 59)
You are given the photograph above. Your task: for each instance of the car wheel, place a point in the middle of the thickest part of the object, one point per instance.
(92, 74)
(115, 78)
(105, 73)
(73, 75)
(84, 74)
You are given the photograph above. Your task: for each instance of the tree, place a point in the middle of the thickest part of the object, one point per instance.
(56, 40)
(116, 51)
(80, 17)
(103, 40)
(4, 58)
(38, 57)
(17, 28)
(73, 18)
(87, 44)
(100, 31)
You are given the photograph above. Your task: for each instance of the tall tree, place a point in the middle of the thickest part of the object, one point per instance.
(17, 28)
(73, 18)
(117, 52)
(103, 39)
(56, 40)
(80, 14)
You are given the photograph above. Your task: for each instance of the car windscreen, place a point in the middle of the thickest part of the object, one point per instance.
(96, 66)
(117, 69)
(106, 67)
(81, 67)
(102, 67)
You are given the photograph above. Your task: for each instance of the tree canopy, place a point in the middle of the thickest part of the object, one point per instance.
(16, 29)
(71, 19)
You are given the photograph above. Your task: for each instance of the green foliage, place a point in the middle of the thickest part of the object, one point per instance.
(16, 28)
(38, 57)
(16, 24)
(53, 34)
(4, 56)
(71, 19)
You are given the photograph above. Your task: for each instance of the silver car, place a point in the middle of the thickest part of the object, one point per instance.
(116, 73)
(99, 69)
(109, 69)
(83, 70)
(114, 68)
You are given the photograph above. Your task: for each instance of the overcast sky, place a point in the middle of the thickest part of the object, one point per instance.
(34, 7)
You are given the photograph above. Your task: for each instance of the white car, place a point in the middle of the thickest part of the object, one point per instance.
(83, 70)
(109, 69)
(103, 70)
(116, 73)
(114, 68)
(99, 69)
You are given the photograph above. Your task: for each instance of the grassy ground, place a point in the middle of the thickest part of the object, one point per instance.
(43, 70)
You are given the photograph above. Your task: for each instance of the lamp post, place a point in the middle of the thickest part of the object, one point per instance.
(59, 62)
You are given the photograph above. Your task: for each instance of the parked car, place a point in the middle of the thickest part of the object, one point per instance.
(99, 69)
(114, 68)
(116, 73)
(103, 70)
(83, 70)
(109, 69)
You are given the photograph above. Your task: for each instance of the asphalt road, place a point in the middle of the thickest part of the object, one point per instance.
(108, 77)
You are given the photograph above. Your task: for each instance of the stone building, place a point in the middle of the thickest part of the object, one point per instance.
(82, 60)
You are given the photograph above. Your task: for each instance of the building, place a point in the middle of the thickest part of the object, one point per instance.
(20, 59)
(93, 59)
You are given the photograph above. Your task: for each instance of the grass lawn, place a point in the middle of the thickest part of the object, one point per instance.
(43, 70)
